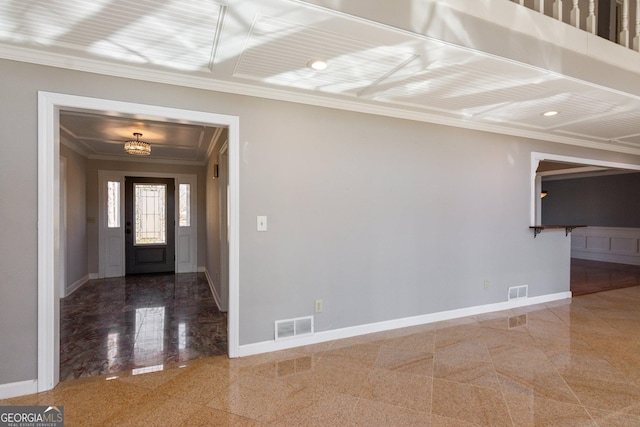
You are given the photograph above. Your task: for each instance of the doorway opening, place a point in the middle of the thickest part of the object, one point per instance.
(570, 191)
(49, 282)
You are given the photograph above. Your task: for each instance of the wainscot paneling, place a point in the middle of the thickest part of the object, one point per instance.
(609, 244)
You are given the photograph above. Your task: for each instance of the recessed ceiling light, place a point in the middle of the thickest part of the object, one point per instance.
(550, 113)
(317, 64)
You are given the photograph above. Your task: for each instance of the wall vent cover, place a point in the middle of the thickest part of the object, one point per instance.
(517, 292)
(293, 328)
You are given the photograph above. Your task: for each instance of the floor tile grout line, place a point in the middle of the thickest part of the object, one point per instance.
(500, 387)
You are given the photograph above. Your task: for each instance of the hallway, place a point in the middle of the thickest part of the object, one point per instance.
(142, 323)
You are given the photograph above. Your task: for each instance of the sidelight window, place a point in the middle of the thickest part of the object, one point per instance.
(184, 193)
(113, 204)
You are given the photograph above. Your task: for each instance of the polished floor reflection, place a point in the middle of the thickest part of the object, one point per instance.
(141, 323)
(568, 363)
(596, 276)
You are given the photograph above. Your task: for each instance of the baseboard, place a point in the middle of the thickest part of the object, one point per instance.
(77, 285)
(336, 334)
(94, 276)
(202, 269)
(216, 297)
(19, 388)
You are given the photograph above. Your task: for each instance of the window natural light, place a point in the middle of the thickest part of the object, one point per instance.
(113, 204)
(150, 201)
(184, 194)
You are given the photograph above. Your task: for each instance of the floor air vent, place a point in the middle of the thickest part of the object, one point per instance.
(292, 328)
(517, 292)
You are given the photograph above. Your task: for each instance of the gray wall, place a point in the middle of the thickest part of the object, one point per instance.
(606, 201)
(381, 218)
(93, 166)
(76, 256)
(213, 223)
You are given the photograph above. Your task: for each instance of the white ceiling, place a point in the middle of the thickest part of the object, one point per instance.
(262, 47)
(102, 136)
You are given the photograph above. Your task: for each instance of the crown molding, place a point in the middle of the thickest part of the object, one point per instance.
(327, 100)
(73, 146)
(133, 159)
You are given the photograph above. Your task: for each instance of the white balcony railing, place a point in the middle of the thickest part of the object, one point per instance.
(616, 28)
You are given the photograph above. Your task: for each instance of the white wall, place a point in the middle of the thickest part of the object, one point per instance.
(381, 218)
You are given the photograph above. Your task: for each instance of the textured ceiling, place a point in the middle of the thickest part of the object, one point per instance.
(266, 45)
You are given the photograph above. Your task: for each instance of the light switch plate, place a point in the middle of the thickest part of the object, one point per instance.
(262, 223)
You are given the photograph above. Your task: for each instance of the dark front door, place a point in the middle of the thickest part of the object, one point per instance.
(149, 220)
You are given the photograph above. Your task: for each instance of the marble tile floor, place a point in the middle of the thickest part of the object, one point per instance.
(567, 363)
(140, 322)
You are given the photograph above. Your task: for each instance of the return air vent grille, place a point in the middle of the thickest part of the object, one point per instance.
(518, 292)
(293, 328)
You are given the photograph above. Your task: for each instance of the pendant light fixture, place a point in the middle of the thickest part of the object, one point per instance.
(136, 147)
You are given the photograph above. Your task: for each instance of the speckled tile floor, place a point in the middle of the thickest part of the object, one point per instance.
(138, 322)
(568, 363)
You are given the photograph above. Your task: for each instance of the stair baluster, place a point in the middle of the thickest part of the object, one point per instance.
(591, 18)
(557, 10)
(636, 37)
(624, 34)
(575, 14)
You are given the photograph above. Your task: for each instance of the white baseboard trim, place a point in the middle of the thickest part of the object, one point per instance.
(94, 276)
(216, 297)
(77, 285)
(19, 388)
(202, 269)
(336, 334)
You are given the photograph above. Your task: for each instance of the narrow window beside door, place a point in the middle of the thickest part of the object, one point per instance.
(113, 204)
(184, 204)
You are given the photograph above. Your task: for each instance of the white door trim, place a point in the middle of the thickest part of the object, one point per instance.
(537, 157)
(49, 106)
(192, 232)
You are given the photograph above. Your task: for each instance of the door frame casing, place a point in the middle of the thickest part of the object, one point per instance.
(535, 208)
(103, 249)
(49, 106)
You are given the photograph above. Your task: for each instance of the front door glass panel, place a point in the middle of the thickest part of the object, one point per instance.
(150, 208)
